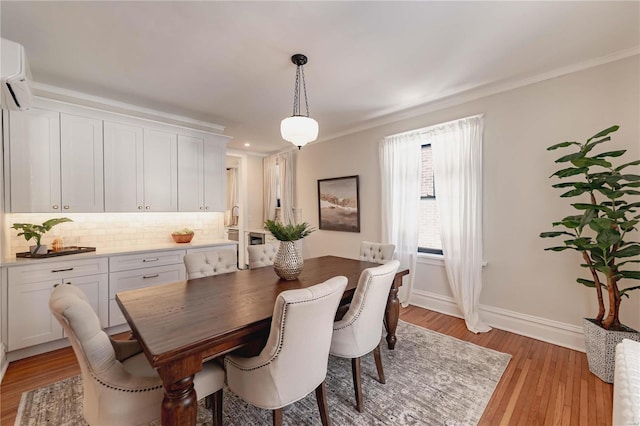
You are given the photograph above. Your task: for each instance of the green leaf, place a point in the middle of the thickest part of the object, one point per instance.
(600, 224)
(623, 166)
(624, 291)
(629, 251)
(554, 234)
(567, 184)
(557, 248)
(573, 193)
(634, 275)
(587, 283)
(629, 225)
(607, 238)
(562, 145)
(588, 162)
(590, 145)
(631, 178)
(587, 206)
(570, 157)
(571, 171)
(604, 132)
(611, 154)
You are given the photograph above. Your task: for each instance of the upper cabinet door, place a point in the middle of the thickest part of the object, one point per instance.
(215, 176)
(123, 168)
(160, 171)
(190, 174)
(81, 164)
(33, 161)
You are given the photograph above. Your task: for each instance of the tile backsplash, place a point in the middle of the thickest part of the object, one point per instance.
(108, 231)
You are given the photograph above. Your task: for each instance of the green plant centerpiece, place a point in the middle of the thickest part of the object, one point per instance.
(288, 261)
(32, 231)
(601, 231)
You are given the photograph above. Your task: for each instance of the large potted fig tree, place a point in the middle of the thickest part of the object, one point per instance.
(603, 231)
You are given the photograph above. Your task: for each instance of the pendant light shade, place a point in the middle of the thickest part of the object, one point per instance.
(299, 129)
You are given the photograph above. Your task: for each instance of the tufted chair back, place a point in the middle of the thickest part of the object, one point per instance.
(359, 331)
(262, 254)
(376, 252)
(210, 263)
(120, 386)
(292, 364)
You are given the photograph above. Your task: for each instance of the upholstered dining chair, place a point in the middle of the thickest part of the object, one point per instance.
(294, 361)
(209, 263)
(262, 254)
(360, 330)
(120, 386)
(376, 252)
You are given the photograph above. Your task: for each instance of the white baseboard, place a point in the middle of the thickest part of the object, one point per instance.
(4, 363)
(554, 332)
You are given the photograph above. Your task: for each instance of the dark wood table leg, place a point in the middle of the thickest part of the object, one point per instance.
(392, 312)
(180, 402)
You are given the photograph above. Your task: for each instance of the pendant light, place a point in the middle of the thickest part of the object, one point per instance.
(299, 129)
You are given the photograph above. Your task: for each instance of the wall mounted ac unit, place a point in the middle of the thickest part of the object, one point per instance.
(15, 77)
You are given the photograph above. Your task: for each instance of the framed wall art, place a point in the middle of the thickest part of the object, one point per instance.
(339, 204)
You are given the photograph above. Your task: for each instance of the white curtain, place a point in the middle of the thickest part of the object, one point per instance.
(457, 164)
(279, 180)
(232, 197)
(400, 165)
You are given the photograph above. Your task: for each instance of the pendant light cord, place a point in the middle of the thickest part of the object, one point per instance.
(296, 94)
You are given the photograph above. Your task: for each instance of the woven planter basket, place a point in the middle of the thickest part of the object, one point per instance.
(600, 345)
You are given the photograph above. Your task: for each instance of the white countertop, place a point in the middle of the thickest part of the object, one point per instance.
(196, 243)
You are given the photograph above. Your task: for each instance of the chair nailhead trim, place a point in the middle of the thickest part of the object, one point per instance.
(123, 389)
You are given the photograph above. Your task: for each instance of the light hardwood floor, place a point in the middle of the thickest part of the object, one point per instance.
(542, 385)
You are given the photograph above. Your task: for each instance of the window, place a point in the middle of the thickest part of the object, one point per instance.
(429, 222)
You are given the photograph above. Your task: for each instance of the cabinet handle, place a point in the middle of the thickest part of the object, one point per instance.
(200, 207)
(155, 259)
(150, 276)
(206, 207)
(55, 207)
(62, 270)
(66, 207)
(147, 208)
(139, 207)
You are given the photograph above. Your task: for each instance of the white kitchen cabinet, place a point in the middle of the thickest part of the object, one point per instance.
(81, 170)
(132, 271)
(140, 169)
(32, 161)
(201, 173)
(54, 162)
(29, 319)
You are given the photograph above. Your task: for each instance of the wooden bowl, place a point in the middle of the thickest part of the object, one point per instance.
(182, 238)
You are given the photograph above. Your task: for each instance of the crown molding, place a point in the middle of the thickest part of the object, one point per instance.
(465, 95)
(72, 96)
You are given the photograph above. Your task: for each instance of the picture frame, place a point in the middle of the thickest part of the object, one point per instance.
(339, 204)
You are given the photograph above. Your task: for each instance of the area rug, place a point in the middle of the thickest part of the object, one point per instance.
(432, 379)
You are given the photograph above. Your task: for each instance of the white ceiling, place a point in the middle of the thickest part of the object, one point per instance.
(229, 62)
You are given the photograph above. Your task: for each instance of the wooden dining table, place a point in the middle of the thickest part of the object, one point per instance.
(181, 324)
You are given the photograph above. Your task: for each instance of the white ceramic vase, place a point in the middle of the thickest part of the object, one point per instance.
(288, 261)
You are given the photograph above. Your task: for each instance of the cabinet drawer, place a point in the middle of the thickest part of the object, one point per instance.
(144, 277)
(58, 270)
(145, 260)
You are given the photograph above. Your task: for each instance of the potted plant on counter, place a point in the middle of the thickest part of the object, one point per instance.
(29, 231)
(288, 261)
(601, 231)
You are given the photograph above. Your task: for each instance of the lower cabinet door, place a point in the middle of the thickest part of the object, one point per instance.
(30, 321)
(96, 288)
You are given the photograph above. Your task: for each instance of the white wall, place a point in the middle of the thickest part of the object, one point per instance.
(521, 280)
(254, 192)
